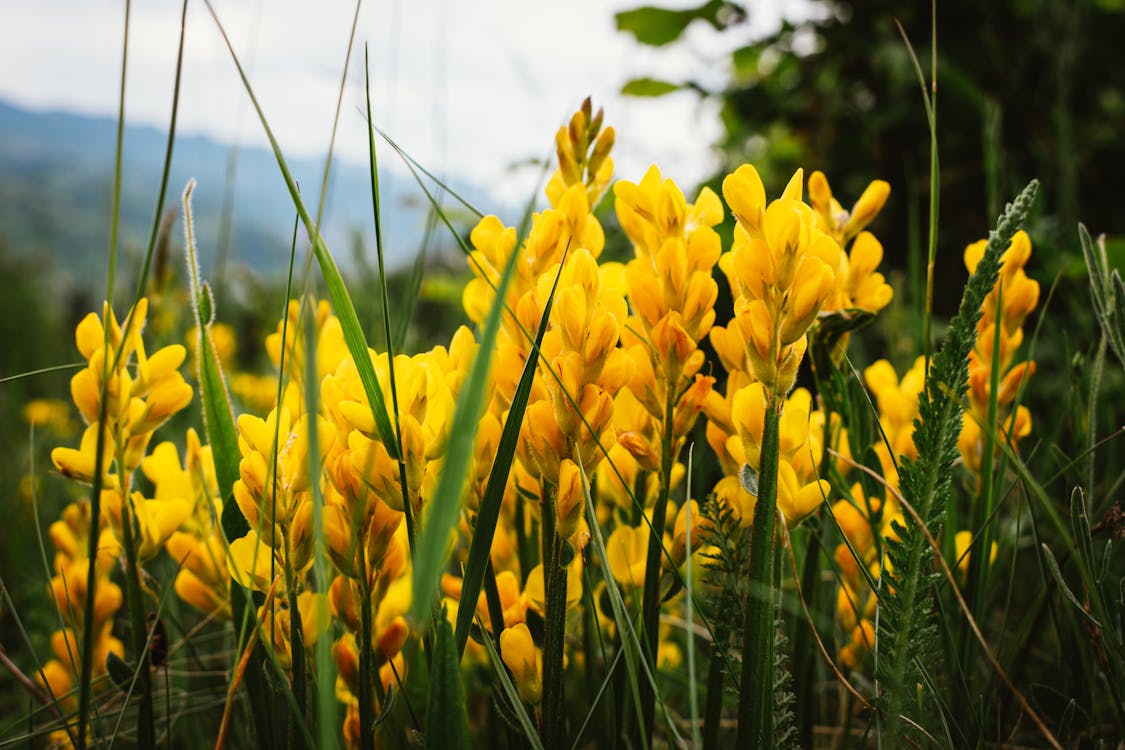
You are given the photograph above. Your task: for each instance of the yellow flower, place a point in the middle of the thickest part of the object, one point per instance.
(782, 269)
(1003, 313)
(524, 660)
(626, 550)
(961, 542)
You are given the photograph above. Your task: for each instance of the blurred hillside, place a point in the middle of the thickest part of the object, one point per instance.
(56, 178)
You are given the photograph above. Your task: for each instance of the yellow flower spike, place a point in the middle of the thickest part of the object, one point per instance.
(748, 412)
(524, 660)
(201, 595)
(794, 499)
(868, 206)
(163, 364)
(249, 562)
(680, 531)
(961, 542)
(626, 551)
(746, 195)
(315, 616)
(867, 289)
(812, 285)
(570, 501)
(543, 443)
(85, 390)
(392, 638)
(79, 464)
(89, 335)
(757, 326)
(301, 534)
(854, 523)
(861, 644)
(535, 595)
(346, 655)
(157, 519)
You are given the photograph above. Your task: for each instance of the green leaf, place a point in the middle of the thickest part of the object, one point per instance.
(649, 87)
(432, 549)
(446, 724)
(748, 476)
(1053, 566)
(657, 27)
(489, 513)
(218, 418)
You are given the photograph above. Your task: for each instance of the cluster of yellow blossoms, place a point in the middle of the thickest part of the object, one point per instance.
(141, 392)
(622, 377)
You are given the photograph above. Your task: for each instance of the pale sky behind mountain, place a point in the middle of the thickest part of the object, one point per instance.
(468, 88)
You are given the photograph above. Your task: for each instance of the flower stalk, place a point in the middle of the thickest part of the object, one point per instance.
(755, 715)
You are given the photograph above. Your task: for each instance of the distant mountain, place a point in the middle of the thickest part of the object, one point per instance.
(56, 179)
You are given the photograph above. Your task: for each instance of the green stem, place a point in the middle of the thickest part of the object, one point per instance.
(977, 580)
(755, 704)
(554, 581)
(650, 606)
(146, 724)
(716, 673)
(296, 649)
(366, 654)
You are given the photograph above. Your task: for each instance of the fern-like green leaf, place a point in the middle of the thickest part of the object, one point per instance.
(908, 634)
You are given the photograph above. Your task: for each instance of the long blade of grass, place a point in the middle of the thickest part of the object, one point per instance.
(512, 694)
(334, 283)
(432, 551)
(489, 513)
(87, 656)
(373, 166)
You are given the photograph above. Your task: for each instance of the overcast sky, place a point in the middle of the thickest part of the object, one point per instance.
(468, 88)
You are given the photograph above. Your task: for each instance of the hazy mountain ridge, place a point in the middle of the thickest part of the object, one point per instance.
(56, 178)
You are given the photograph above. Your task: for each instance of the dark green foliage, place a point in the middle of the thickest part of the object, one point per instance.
(908, 633)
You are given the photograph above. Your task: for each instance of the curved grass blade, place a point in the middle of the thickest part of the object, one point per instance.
(481, 546)
(432, 550)
(446, 723)
(334, 283)
(512, 694)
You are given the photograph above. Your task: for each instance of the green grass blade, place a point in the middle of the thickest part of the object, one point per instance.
(373, 166)
(432, 551)
(634, 655)
(334, 283)
(489, 513)
(446, 723)
(86, 670)
(414, 164)
(512, 694)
